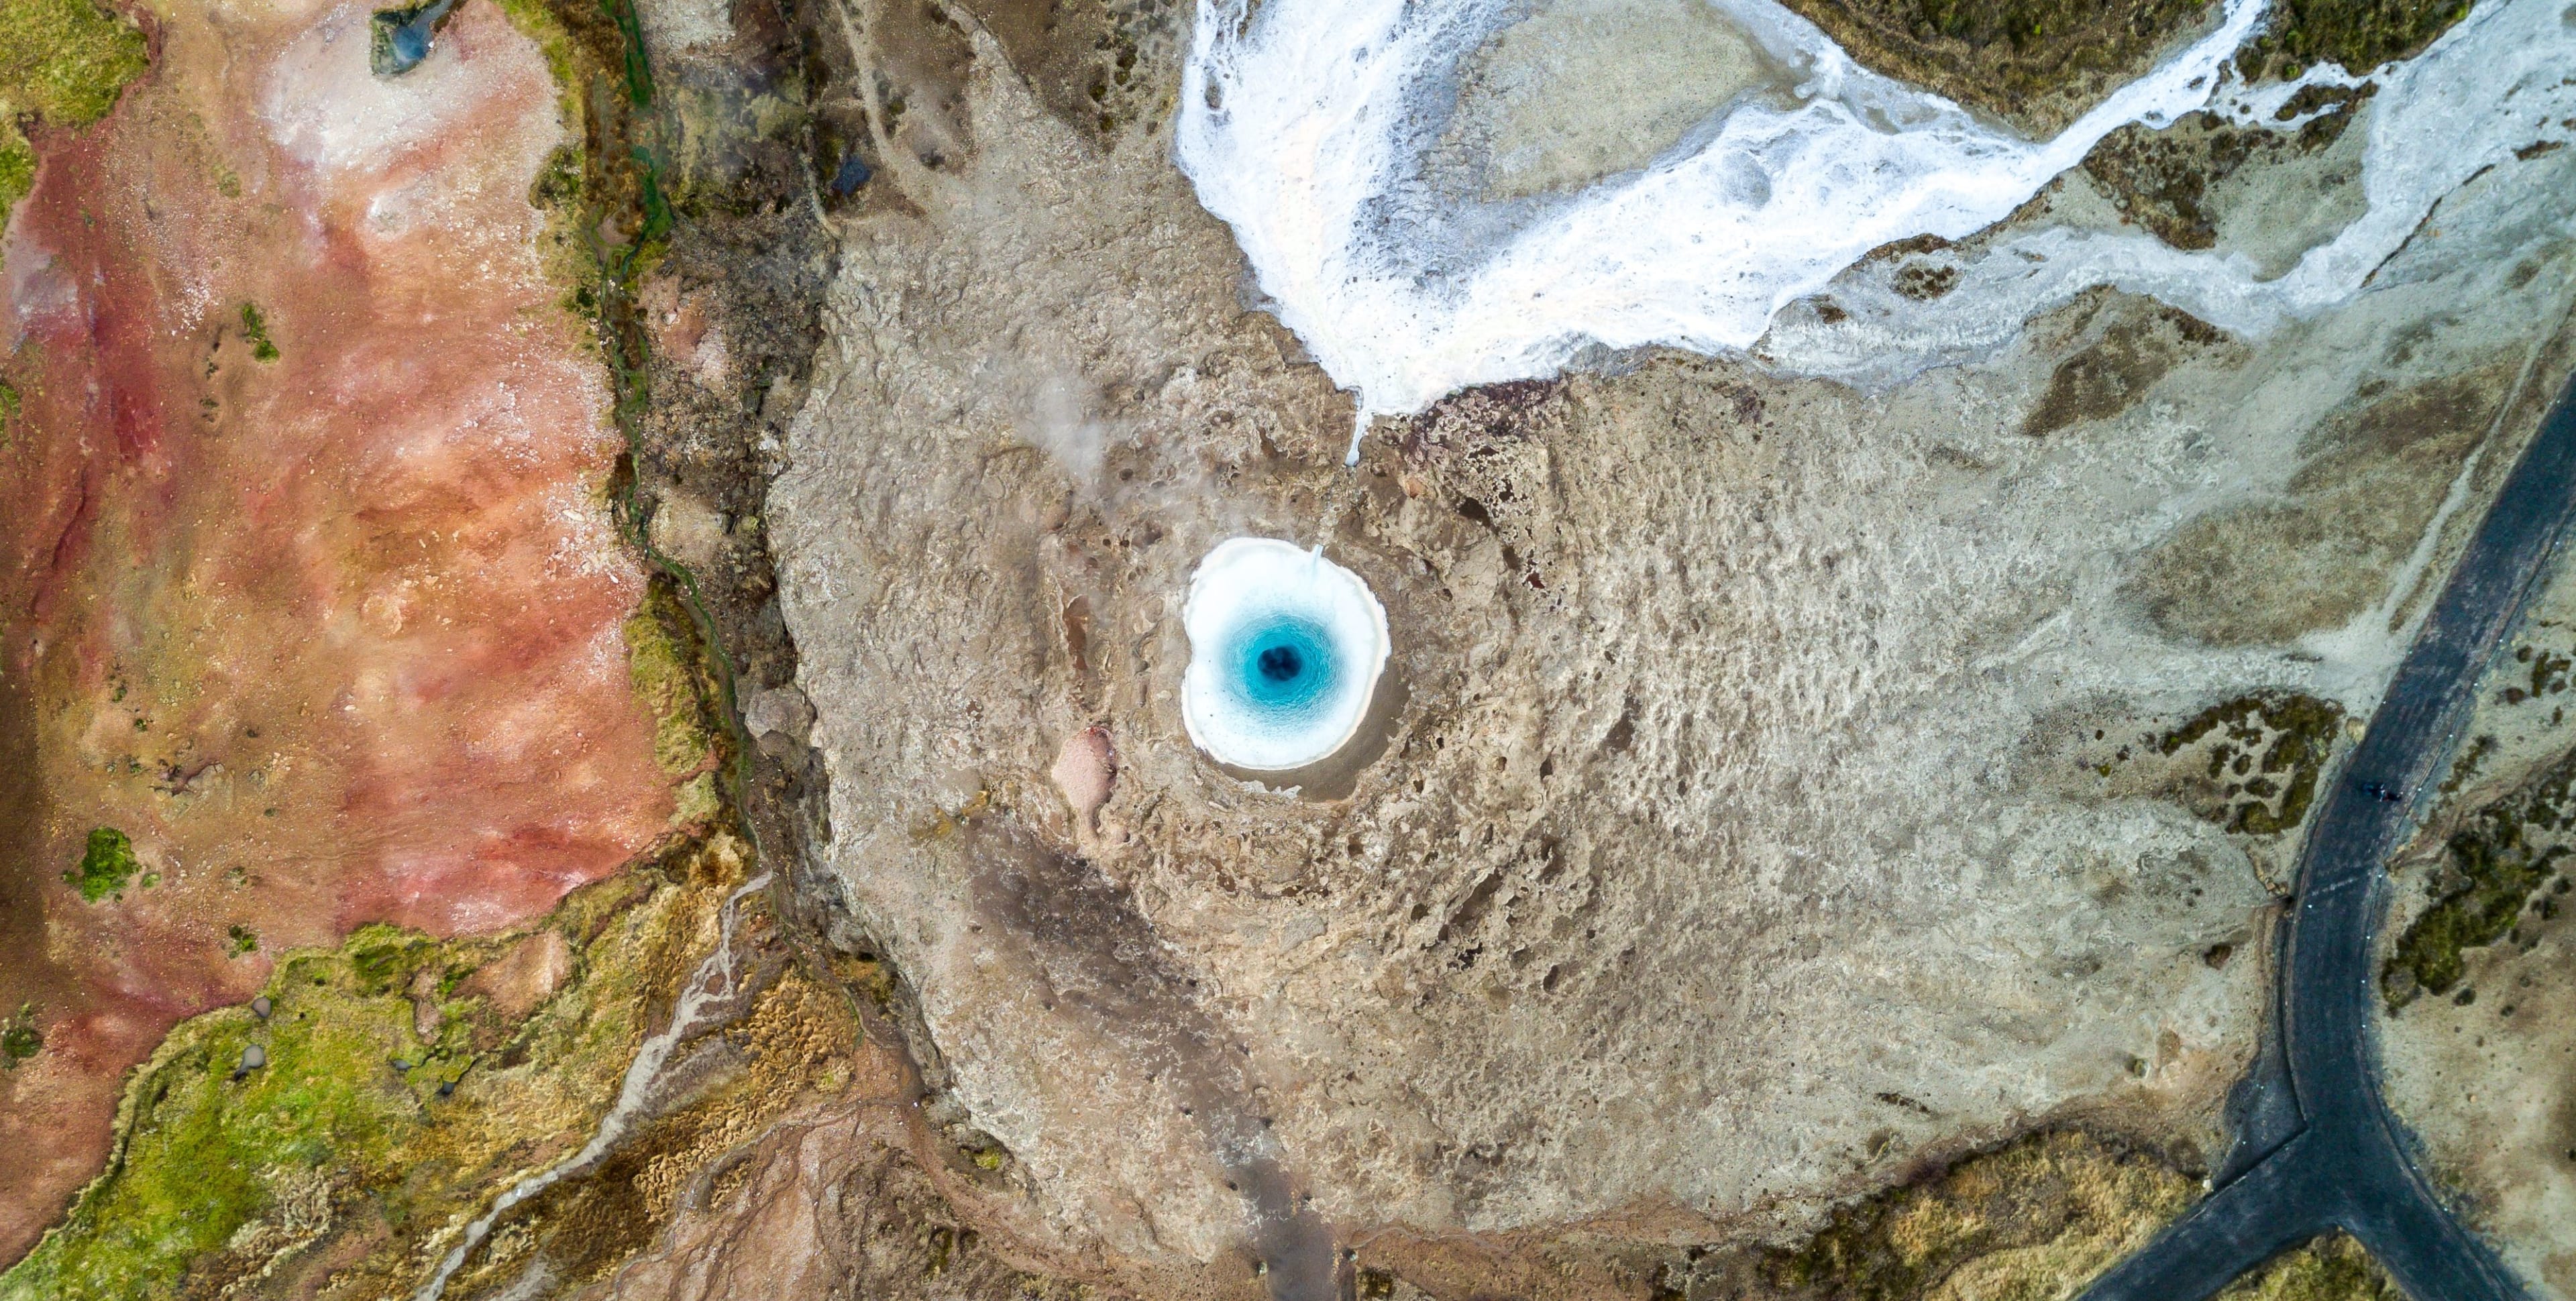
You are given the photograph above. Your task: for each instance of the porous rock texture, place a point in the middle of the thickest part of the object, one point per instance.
(1745, 820)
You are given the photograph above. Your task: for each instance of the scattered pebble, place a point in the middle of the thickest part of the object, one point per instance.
(260, 1007)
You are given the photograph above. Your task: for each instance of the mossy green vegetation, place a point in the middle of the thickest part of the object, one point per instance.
(2250, 764)
(254, 325)
(383, 1096)
(2266, 752)
(106, 864)
(2036, 1218)
(2358, 34)
(2330, 1268)
(391, 1096)
(2037, 62)
(17, 169)
(63, 63)
(667, 662)
(203, 1152)
(20, 1038)
(66, 60)
(2028, 1219)
(2505, 861)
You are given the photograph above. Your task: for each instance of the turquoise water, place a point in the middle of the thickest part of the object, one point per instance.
(1285, 652)
(1283, 667)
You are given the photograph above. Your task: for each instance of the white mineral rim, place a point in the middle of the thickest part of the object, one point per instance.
(1243, 583)
(1306, 125)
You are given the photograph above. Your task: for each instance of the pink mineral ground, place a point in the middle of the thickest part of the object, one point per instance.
(336, 636)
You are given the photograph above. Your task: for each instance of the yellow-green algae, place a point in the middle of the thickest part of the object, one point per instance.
(796, 1044)
(360, 1135)
(62, 62)
(2031, 1219)
(666, 661)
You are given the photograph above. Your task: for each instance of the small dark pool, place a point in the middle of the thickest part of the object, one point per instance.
(854, 172)
(399, 39)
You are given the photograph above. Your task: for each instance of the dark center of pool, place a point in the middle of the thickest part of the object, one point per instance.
(1281, 663)
(1283, 666)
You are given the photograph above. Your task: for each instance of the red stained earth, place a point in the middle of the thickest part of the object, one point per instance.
(335, 637)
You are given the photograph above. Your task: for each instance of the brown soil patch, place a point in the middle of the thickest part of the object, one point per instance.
(2268, 571)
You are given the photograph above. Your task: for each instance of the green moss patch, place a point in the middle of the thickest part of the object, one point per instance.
(66, 61)
(2265, 754)
(373, 1104)
(19, 1037)
(254, 325)
(2359, 34)
(105, 866)
(2029, 1219)
(2495, 868)
(2037, 62)
(206, 1146)
(17, 170)
(63, 63)
(2330, 1268)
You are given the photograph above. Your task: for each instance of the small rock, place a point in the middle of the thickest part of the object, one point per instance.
(524, 976)
(254, 1057)
(1084, 770)
(260, 1007)
(426, 1014)
(783, 711)
(686, 528)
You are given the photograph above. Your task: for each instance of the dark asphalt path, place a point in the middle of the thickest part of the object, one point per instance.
(2319, 1150)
